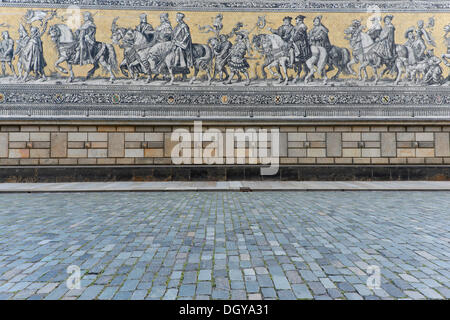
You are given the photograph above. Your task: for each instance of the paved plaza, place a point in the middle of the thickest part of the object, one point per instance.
(225, 245)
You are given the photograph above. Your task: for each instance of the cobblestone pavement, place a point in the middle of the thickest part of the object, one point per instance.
(225, 245)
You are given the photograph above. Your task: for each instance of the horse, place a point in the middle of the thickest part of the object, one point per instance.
(162, 60)
(339, 58)
(135, 50)
(66, 44)
(362, 46)
(275, 53)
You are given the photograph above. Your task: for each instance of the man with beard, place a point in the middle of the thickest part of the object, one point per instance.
(181, 38)
(285, 30)
(145, 28)
(298, 42)
(385, 43)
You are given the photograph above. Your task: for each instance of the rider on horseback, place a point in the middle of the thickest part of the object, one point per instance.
(145, 28)
(318, 36)
(86, 41)
(285, 30)
(164, 30)
(299, 47)
(385, 44)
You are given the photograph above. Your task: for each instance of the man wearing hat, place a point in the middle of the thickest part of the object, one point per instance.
(300, 48)
(181, 38)
(318, 36)
(164, 30)
(86, 35)
(145, 28)
(284, 31)
(385, 43)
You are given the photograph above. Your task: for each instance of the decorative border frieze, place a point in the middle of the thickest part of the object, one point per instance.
(293, 96)
(227, 5)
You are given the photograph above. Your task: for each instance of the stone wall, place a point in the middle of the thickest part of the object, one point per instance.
(68, 144)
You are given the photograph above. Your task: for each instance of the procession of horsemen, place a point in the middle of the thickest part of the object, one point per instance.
(167, 51)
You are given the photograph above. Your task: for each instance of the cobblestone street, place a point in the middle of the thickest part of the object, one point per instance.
(225, 245)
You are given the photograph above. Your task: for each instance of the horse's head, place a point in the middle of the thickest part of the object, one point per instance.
(213, 42)
(54, 32)
(256, 41)
(117, 33)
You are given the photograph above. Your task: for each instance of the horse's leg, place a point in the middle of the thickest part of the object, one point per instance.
(196, 69)
(362, 71)
(310, 65)
(208, 74)
(25, 76)
(274, 74)
(284, 67)
(58, 67)
(92, 71)
(71, 75)
(108, 67)
(278, 71)
(230, 78)
(337, 74)
(247, 83)
(399, 64)
(263, 71)
(297, 75)
(350, 66)
(375, 72)
(224, 70)
(384, 72)
(307, 70)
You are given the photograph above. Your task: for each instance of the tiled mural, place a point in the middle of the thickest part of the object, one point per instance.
(223, 48)
(224, 59)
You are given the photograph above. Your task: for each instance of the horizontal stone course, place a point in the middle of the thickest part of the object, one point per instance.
(151, 144)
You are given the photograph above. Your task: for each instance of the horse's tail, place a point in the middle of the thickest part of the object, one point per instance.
(112, 58)
(205, 62)
(323, 57)
(346, 57)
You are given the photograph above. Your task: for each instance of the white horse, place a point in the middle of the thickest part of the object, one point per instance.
(276, 52)
(66, 44)
(362, 45)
